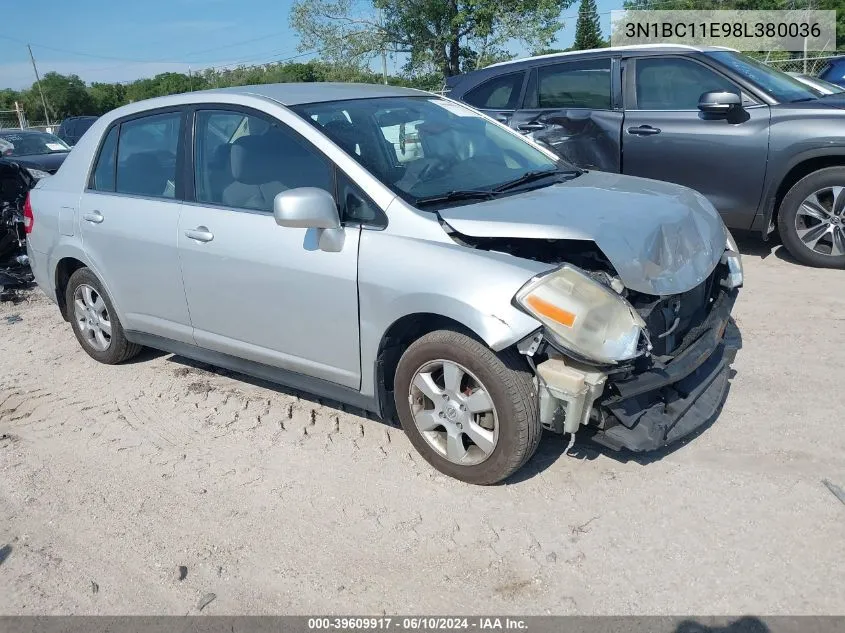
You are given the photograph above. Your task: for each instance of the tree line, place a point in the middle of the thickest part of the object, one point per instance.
(69, 95)
(435, 38)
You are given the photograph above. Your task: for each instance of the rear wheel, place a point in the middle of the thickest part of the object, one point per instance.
(94, 320)
(811, 220)
(470, 412)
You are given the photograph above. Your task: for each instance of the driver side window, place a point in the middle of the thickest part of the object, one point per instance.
(674, 83)
(243, 160)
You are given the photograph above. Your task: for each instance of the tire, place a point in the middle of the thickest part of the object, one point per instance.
(513, 423)
(793, 214)
(83, 284)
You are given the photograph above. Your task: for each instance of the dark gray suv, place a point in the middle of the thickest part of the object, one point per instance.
(766, 150)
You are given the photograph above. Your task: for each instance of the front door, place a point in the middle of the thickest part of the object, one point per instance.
(129, 215)
(666, 137)
(257, 290)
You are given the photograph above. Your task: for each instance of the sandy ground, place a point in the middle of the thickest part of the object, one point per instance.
(111, 478)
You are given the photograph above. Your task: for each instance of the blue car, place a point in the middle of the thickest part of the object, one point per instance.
(834, 71)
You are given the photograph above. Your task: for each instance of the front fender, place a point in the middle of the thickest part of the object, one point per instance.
(800, 145)
(400, 276)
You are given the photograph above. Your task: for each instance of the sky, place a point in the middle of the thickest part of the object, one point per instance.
(121, 40)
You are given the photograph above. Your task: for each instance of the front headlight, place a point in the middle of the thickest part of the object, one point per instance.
(582, 315)
(37, 173)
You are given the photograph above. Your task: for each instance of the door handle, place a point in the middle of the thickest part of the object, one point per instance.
(643, 130)
(200, 234)
(95, 217)
(534, 126)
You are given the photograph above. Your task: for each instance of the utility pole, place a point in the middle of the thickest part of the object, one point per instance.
(383, 53)
(38, 81)
(190, 79)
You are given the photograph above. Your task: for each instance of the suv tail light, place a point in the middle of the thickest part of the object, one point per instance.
(28, 218)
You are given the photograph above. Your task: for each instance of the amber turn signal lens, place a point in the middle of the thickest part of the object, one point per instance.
(564, 317)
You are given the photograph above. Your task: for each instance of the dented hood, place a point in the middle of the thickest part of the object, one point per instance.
(661, 238)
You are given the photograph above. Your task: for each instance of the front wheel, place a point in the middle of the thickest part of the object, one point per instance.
(470, 412)
(811, 220)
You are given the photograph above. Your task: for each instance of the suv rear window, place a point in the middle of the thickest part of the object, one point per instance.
(499, 93)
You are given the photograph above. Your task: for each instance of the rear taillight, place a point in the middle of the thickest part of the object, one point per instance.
(28, 218)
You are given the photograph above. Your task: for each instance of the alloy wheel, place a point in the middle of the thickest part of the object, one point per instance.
(92, 317)
(454, 412)
(820, 221)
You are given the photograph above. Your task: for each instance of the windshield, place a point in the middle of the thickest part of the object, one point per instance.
(25, 143)
(425, 147)
(779, 85)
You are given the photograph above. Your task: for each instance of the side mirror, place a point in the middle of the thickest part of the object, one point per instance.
(719, 102)
(310, 208)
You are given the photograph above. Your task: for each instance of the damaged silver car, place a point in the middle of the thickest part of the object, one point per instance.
(398, 252)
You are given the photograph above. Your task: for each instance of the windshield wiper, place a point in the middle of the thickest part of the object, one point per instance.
(454, 196)
(531, 176)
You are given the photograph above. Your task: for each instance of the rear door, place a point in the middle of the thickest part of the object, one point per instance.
(498, 97)
(257, 290)
(574, 108)
(667, 138)
(129, 216)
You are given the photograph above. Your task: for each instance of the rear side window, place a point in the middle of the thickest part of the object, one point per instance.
(102, 179)
(243, 161)
(500, 93)
(146, 155)
(583, 84)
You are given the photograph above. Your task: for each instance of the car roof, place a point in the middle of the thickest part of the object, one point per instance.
(636, 48)
(289, 94)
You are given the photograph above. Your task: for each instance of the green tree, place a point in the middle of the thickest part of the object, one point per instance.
(105, 97)
(588, 27)
(437, 35)
(8, 98)
(66, 95)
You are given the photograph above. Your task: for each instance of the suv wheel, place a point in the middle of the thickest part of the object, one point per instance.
(811, 221)
(471, 413)
(94, 320)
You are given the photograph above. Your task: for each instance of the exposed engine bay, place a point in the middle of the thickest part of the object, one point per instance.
(667, 318)
(15, 183)
(667, 391)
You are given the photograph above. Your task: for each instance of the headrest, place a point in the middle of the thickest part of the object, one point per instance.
(253, 160)
(344, 134)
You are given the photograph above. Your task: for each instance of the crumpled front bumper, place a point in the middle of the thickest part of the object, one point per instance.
(661, 406)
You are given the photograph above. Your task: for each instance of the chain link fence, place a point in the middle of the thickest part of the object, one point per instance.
(805, 65)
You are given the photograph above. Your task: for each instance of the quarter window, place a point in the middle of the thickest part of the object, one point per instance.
(103, 177)
(501, 93)
(243, 161)
(574, 85)
(355, 207)
(146, 155)
(674, 83)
